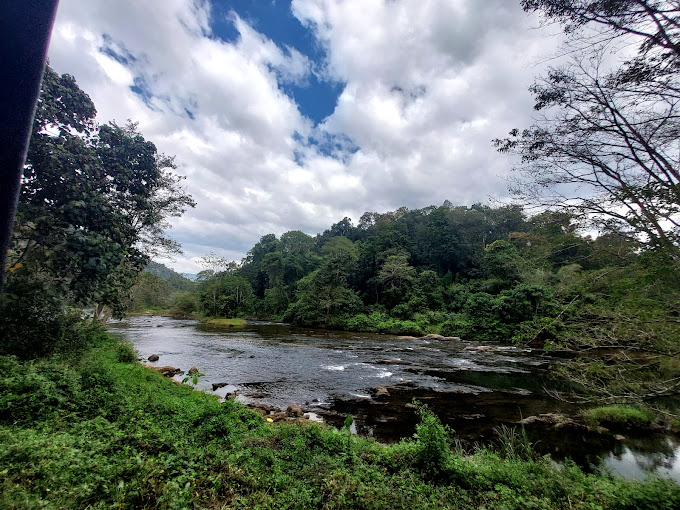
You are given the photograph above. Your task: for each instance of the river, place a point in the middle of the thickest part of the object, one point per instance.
(472, 387)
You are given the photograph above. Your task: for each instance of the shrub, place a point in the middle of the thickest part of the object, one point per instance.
(617, 416)
(359, 322)
(432, 449)
(460, 325)
(34, 321)
(126, 353)
(185, 305)
(397, 327)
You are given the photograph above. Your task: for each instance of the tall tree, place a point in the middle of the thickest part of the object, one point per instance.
(94, 201)
(606, 145)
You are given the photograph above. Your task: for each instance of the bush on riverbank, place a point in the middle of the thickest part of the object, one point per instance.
(617, 416)
(379, 322)
(90, 430)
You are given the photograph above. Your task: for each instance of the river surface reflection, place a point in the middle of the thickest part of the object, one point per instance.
(472, 387)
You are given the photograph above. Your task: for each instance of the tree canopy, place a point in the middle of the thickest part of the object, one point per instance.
(94, 205)
(605, 144)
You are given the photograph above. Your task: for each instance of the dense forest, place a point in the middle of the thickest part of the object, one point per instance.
(478, 273)
(474, 272)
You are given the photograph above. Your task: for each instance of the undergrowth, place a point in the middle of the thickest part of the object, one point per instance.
(97, 430)
(620, 416)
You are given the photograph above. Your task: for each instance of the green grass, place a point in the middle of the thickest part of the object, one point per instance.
(617, 416)
(226, 323)
(94, 430)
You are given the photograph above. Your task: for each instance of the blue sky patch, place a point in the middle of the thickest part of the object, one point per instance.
(142, 89)
(316, 98)
(116, 50)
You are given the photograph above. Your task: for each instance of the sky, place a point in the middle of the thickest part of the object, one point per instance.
(291, 115)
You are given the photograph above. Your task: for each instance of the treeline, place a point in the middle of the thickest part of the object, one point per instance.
(475, 272)
(158, 288)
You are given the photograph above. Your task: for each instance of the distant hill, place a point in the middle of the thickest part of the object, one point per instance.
(176, 280)
(190, 276)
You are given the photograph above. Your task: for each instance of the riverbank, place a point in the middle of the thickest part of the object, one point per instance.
(476, 389)
(98, 430)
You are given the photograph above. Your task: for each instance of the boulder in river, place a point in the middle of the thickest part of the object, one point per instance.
(217, 385)
(193, 370)
(276, 416)
(381, 392)
(433, 336)
(266, 408)
(153, 357)
(479, 348)
(557, 421)
(294, 410)
(166, 371)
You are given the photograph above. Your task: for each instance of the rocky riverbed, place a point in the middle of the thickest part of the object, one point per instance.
(473, 387)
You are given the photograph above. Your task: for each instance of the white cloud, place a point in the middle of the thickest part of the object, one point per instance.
(427, 86)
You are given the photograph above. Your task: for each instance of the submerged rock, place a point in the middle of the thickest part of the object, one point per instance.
(475, 416)
(407, 384)
(479, 348)
(217, 385)
(256, 394)
(391, 361)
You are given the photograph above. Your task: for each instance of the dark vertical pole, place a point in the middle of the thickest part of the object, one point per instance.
(25, 28)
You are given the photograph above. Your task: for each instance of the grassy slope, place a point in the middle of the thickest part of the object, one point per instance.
(94, 431)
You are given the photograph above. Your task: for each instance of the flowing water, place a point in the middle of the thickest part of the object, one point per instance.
(472, 387)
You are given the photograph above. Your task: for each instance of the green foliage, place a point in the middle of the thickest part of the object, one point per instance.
(158, 288)
(34, 321)
(501, 260)
(513, 445)
(193, 378)
(150, 292)
(127, 353)
(460, 325)
(176, 280)
(620, 416)
(378, 322)
(94, 202)
(323, 295)
(185, 305)
(432, 449)
(225, 296)
(396, 271)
